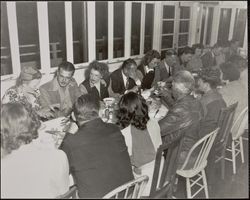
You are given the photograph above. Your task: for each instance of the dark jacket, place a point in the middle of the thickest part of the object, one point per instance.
(208, 60)
(185, 112)
(164, 73)
(117, 84)
(98, 158)
(94, 92)
(212, 103)
(149, 79)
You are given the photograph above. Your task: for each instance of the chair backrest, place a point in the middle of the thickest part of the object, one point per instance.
(205, 145)
(240, 123)
(130, 190)
(164, 173)
(71, 194)
(225, 123)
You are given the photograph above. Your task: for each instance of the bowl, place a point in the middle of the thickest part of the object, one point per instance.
(109, 101)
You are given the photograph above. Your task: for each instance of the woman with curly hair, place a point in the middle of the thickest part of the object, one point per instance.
(29, 169)
(96, 82)
(142, 135)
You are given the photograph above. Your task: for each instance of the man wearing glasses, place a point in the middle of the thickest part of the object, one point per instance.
(60, 93)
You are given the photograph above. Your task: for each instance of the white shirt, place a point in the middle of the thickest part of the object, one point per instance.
(167, 67)
(124, 77)
(34, 171)
(97, 85)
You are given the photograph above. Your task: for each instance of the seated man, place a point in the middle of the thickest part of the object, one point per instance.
(97, 153)
(237, 88)
(148, 69)
(209, 58)
(187, 111)
(124, 79)
(211, 100)
(168, 66)
(185, 56)
(212, 103)
(60, 92)
(195, 64)
(95, 83)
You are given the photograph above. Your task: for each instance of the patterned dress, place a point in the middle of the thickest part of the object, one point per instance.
(16, 94)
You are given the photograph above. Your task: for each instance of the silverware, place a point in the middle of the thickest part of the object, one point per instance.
(53, 132)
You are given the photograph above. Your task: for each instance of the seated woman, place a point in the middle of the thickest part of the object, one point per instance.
(142, 135)
(96, 84)
(149, 71)
(26, 90)
(29, 169)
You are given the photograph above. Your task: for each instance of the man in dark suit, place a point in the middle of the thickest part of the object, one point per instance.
(185, 55)
(208, 59)
(97, 153)
(124, 79)
(168, 64)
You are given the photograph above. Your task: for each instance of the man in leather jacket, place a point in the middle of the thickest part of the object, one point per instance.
(186, 111)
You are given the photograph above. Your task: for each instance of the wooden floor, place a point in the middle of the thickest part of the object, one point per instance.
(233, 186)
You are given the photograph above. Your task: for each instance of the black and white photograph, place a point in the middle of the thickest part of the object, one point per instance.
(124, 99)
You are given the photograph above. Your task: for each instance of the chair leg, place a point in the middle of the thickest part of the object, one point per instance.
(188, 188)
(241, 150)
(233, 157)
(205, 182)
(223, 164)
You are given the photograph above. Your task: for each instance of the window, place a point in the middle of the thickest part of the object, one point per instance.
(184, 26)
(240, 25)
(225, 18)
(168, 24)
(119, 23)
(135, 29)
(149, 26)
(28, 37)
(168, 27)
(6, 65)
(57, 36)
(209, 25)
(80, 34)
(101, 10)
(46, 33)
(203, 24)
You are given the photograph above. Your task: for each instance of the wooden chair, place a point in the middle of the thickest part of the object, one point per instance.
(199, 164)
(166, 160)
(71, 194)
(225, 123)
(237, 131)
(130, 190)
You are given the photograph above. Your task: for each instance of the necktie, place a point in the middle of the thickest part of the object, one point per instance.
(127, 83)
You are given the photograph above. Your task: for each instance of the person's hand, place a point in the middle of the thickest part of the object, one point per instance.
(45, 113)
(134, 89)
(65, 121)
(161, 83)
(103, 82)
(54, 107)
